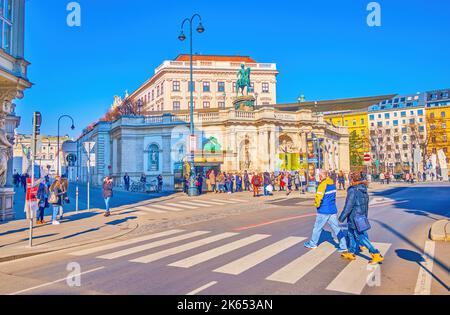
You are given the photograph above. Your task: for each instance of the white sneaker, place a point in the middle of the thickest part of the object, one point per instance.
(56, 223)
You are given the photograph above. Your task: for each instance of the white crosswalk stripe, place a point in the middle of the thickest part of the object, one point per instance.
(207, 202)
(219, 251)
(297, 269)
(182, 248)
(124, 243)
(357, 274)
(193, 203)
(167, 208)
(178, 205)
(144, 247)
(226, 201)
(149, 209)
(243, 264)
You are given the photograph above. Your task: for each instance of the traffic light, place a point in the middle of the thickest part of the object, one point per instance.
(37, 120)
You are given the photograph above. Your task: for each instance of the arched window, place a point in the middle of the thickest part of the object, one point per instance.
(153, 158)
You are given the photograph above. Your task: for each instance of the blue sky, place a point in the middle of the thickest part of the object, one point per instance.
(322, 48)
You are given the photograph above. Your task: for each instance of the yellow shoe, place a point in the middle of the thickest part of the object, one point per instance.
(376, 259)
(348, 256)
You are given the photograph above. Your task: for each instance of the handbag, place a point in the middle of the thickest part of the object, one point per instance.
(362, 223)
(67, 200)
(53, 198)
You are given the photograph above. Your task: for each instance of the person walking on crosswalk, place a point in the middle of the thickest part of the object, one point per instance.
(356, 213)
(325, 203)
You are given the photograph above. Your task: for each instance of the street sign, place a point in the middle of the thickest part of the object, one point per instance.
(88, 146)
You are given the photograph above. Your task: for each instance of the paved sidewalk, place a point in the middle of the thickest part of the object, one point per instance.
(74, 230)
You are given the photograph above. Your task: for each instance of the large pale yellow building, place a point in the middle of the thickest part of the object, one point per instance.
(438, 122)
(214, 83)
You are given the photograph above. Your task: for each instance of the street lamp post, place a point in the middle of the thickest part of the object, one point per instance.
(192, 191)
(57, 148)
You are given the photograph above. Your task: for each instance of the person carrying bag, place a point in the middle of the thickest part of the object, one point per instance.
(356, 214)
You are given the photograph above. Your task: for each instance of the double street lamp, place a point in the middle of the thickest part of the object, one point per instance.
(58, 148)
(192, 191)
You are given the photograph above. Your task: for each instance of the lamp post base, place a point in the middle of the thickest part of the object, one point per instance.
(192, 189)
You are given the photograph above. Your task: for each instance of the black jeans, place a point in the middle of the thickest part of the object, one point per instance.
(40, 214)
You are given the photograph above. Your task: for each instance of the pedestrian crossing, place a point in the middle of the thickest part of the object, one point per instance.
(352, 279)
(178, 206)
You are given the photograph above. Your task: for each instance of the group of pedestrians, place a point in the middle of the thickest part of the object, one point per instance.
(354, 214)
(20, 180)
(231, 182)
(46, 194)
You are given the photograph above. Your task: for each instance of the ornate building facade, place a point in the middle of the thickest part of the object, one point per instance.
(13, 81)
(227, 140)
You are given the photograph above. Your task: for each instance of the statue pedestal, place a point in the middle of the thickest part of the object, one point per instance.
(6, 203)
(244, 103)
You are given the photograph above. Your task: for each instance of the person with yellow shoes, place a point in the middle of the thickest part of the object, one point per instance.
(356, 213)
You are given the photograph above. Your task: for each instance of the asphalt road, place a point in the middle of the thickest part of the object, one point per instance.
(256, 253)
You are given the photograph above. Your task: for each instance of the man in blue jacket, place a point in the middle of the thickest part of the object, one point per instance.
(325, 203)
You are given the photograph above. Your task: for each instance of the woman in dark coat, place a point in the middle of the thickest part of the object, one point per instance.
(107, 193)
(357, 205)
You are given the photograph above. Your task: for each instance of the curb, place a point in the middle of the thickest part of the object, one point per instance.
(60, 248)
(440, 231)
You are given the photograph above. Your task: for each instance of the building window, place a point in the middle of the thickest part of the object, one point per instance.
(420, 112)
(432, 115)
(395, 122)
(412, 121)
(362, 121)
(380, 124)
(354, 122)
(403, 114)
(404, 130)
(153, 158)
(445, 95)
(190, 104)
(205, 104)
(421, 128)
(220, 86)
(444, 138)
(443, 114)
(265, 87)
(206, 86)
(157, 91)
(191, 85)
(387, 116)
(346, 123)
(372, 117)
(176, 105)
(433, 139)
(433, 126)
(221, 105)
(443, 125)
(6, 25)
(153, 95)
(176, 86)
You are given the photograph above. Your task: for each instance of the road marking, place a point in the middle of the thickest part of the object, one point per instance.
(124, 243)
(167, 208)
(181, 206)
(226, 201)
(213, 253)
(147, 209)
(247, 262)
(193, 203)
(301, 266)
(56, 281)
(151, 245)
(237, 200)
(423, 285)
(272, 222)
(354, 277)
(210, 202)
(182, 248)
(202, 288)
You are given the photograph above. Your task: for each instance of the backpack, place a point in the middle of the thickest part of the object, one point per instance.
(257, 181)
